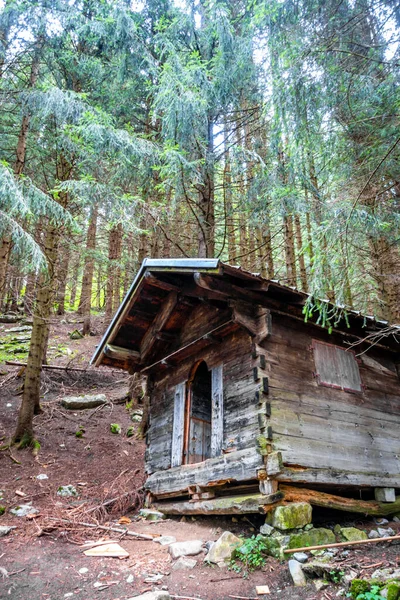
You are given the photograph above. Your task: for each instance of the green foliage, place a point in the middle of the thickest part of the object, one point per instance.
(79, 433)
(2, 509)
(115, 428)
(130, 432)
(251, 554)
(372, 594)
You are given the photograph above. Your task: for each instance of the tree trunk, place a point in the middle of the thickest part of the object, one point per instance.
(61, 278)
(88, 270)
(76, 263)
(113, 274)
(43, 307)
(290, 256)
(228, 204)
(206, 241)
(300, 254)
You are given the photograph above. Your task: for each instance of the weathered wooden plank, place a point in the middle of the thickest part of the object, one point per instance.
(316, 498)
(217, 411)
(123, 354)
(179, 417)
(160, 320)
(337, 477)
(227, 505)
(236, 466)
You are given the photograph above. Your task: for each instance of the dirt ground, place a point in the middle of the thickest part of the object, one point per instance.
(42, 558)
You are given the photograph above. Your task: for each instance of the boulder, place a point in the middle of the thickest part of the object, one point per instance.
(83, 402)
(315, 537)
(222, 549)
(386, 574)
(184, 563)
(292, 516)
(373, 535)
(352, 534)
(151, 515)
(386, 532)
(190, 548)
(297, 574)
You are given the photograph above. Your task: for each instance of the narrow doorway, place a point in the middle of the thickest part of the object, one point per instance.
(198, 415)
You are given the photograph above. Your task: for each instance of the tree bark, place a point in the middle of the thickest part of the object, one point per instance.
(61, 278)
(88, 271)
(300, 254)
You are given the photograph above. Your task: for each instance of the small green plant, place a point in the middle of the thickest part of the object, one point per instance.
(115, 428)
(372, 594)
(79, 433)
(336, 576)
(251, 554)
(2, 509)
(129, 404)
(130, 432)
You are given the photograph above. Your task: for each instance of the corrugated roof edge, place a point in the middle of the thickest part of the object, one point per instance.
(152, 263)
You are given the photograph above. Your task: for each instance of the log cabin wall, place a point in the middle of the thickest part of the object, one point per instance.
(327, 435)
(240, 428)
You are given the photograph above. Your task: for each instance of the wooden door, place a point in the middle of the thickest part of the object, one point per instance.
(198, 422)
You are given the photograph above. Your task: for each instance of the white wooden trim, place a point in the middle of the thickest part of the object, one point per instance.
(217, 411)
(178, 425)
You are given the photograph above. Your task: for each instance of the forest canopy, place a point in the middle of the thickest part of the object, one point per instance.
(263, 132)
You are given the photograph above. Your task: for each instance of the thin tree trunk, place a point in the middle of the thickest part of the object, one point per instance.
(300, 254)
(206, 230)
(76, 264)
(228, 205)
(88, 270)
(113, 278)
(62, 275)
(117, 273)
(290, 256)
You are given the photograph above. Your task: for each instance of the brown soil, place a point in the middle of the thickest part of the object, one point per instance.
(43, 555)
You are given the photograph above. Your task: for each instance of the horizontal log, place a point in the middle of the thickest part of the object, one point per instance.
(342, 544)
(325, 500)
(226, 505)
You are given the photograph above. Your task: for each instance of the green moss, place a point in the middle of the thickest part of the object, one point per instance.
(359, 586)
(352, 534)
(314, 537)
(2, 509)
(393, 591)
(292, 516)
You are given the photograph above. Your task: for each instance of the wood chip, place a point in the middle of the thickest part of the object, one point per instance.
(124, 520)
(262, 589)
(20, 493)
(113, 550)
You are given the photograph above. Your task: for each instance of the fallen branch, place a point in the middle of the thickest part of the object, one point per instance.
(50, 367)
(141, 536)
(243, 597)
(342, 544)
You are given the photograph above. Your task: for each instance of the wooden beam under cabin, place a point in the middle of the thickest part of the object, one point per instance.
(159, 322)
(225, 505)
(325, 500)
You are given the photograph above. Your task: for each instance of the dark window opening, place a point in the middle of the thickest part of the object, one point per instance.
(336, 367)
(198, 446)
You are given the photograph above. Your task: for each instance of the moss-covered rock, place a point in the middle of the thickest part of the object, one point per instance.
(315, 537)
(393, 591)
(359, 586)
(352, 534)
(292, 516)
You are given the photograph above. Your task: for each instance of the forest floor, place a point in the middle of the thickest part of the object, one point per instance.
(42, 557)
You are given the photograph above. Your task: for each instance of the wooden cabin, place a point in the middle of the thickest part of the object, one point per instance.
(248, 399)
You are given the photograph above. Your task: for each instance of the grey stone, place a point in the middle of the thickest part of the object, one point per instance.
(396, 519)
(42, 476)
(165, 540)
(381, 521)
(308, 527)
(352, 534)
(266, 529)
(19, 329)
(184, 563)
(292, 516)
(151, 515)
(67, 491)
(385, 532)
(24, 509)
(301, 557)
(208, 545)
(297, 574)
(83, 402)
(386, 574)
(5, 529)
(373, 534)
(154, 578)
(385, 494)
(223, 548)
(156, 595)
(190, 548)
